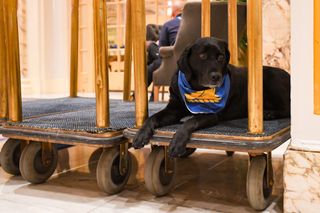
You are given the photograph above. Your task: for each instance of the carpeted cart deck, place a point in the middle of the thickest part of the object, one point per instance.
(77, 126)
(75, 123)
(38, 107)
(228, 135)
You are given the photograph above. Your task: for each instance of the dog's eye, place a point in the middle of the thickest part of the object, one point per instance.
(220, 58)
(203, 56)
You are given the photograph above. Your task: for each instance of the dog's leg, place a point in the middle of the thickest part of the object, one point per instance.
(165, 117)
(178, 144)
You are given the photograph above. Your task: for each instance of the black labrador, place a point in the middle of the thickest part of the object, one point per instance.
(205, 70)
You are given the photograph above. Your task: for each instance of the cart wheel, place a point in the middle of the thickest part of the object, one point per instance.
(93, 160)
(230, 153)
(32, 168)
(157, 181)
(10, 156)
(259, 191)
(109, 178)
(189, 151)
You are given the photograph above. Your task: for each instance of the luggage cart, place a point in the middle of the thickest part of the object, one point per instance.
(230, 136)
(254, 136)
(76, 128)
(100, 126)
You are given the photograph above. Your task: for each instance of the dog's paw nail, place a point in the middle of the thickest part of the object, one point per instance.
(177, 152)
(137, 145)
(140, 141)
(174, 153)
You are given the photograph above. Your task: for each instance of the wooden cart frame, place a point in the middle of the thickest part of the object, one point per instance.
(160, 168)
(21, 152)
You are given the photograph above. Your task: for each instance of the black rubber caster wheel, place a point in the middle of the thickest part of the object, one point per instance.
(230, 153)
(93, 160)
(157, 180)
(10, 156)
(32, 167)
(259, 190)
(189, 151)
(109, 178)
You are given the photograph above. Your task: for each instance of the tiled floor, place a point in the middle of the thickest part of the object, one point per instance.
(208, 181)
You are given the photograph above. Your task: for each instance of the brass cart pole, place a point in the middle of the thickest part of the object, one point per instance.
(317, 57)
(127, 54)
(74, 49)
(14, 81)
(205, 18)
(255, 75)
(232, 31)
(3, 67)
(101, 61)
(139, 60)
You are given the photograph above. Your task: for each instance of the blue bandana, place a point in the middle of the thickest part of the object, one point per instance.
(205, 101)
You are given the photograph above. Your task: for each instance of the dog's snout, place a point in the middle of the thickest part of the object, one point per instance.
(215, 77)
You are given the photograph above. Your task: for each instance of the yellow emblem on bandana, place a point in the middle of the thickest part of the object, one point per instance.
(204, 96)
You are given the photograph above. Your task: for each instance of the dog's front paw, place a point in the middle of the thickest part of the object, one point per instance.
(141, 139)
(177, 147)
(176, 151)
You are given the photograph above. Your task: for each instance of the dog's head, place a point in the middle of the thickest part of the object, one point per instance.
(205, 62)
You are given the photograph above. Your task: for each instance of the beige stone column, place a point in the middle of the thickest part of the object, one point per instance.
(302, 159)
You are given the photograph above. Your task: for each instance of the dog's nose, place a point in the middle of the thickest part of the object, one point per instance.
(215, 77)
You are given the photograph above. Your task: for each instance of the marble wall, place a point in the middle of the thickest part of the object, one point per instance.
(302, 169)
(276, 33)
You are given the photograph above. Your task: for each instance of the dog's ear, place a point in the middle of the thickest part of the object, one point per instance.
(183, 63)
(224, 47)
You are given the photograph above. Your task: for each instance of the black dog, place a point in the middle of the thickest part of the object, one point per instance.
(205, 68)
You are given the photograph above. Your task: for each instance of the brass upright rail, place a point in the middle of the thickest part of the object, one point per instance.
(101, 61)
(127, 54)
(139, 60)
(3, 67)
(232, 31)
(317, 57)
(205, 18)
(74, 49)
(13, 60)
(255, 75)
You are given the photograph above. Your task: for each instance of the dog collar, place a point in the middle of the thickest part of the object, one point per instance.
(205, 101)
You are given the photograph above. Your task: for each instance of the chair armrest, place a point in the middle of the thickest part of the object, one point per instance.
(166, 52)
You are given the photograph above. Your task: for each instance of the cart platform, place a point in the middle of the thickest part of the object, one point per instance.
(38, 107)
(73, 126)
(28, 152)
(229, 135)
